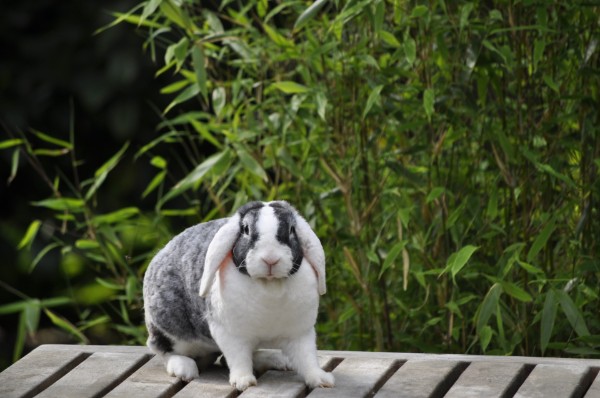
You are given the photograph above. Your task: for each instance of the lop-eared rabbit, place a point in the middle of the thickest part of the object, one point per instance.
(234, 285)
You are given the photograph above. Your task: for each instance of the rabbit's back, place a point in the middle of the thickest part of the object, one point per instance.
(172, 283)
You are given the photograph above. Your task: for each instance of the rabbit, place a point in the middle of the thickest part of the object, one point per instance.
(234, 285)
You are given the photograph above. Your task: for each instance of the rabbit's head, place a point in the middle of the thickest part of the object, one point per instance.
(265, 241)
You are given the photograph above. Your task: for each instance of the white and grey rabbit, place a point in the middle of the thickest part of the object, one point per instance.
(234, 285)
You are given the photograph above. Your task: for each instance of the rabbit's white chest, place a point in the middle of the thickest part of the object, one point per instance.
(265, 310)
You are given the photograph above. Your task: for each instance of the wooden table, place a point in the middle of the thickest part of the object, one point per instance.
(119, 371)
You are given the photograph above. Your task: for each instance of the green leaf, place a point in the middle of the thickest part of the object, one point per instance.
(149, 9)
(289, 87)
(30, 234)
(158, 162)
(31, 312)
(541, 240)
(190, 92)
(116, 216)
(156, 181)
(551, 83)
(14, 165)
(428, 102)
(218, 100)
(465, 11)
(515, 291)
(485, 336)
(251, 164)
(61, 204)
(87, 244)
(200, 69)
(321, 104)
(10, 143)
(12, 308)
(389, 39)
(373, 98)
(391, 257)
(573, 314)
(309, 13)
(488, 306)
(548, 317)
(435, 193)
(276, 37)
(410, 51)
(196, 176)
(459, 259)
(538, 52)
(65, 325)
(102, 172)
(52, 140)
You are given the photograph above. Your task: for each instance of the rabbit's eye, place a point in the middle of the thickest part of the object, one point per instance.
(246, 229)
(292, 230)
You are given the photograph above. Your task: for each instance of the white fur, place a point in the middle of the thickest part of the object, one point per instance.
(183, 367)
(269, 259)
(270, 309)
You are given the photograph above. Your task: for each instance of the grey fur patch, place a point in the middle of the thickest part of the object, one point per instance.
(172, 283)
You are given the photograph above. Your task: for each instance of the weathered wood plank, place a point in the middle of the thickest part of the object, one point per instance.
(283, 384)
(486, 379)
(149, 381)
(403, 356)
(555, 381)
(421, 378)
(356, 377)
(95, 376)
(594, 391)
(212, 383)
(36, 371)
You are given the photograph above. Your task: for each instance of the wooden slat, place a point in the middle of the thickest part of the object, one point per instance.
(212, 383)
(149, 381)
(95, 376)
(421, 378)
(356, 377)
(594, 391)
(555, 381)
(486, 379)
(36, 371)
(283, 384)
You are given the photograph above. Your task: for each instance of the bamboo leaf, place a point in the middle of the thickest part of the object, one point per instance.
(30, 234)
(65, 325)
(428, 102)
(200, 69)
(548, 317)
(541, 240)
(573, 314)
(373, 99)
(410, 51)
(289, 87)
(309, 13)
(391, 257)
(61, 204)
(459, 259)
(102, 172)
(10, 143)
(515, 291)
(52, 140)
(488, 306)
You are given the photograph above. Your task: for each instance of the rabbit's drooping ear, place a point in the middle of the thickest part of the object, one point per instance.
(218, 251)
(312, 250)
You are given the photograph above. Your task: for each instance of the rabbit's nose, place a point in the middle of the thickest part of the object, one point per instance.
(271, 261)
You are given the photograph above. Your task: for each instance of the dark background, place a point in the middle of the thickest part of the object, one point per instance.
(54, 71)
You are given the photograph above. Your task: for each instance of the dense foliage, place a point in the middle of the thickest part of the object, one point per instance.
(446, 153)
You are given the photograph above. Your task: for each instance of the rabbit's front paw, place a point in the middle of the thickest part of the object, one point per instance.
(183, 367)
(242, 382)
(319, 378)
